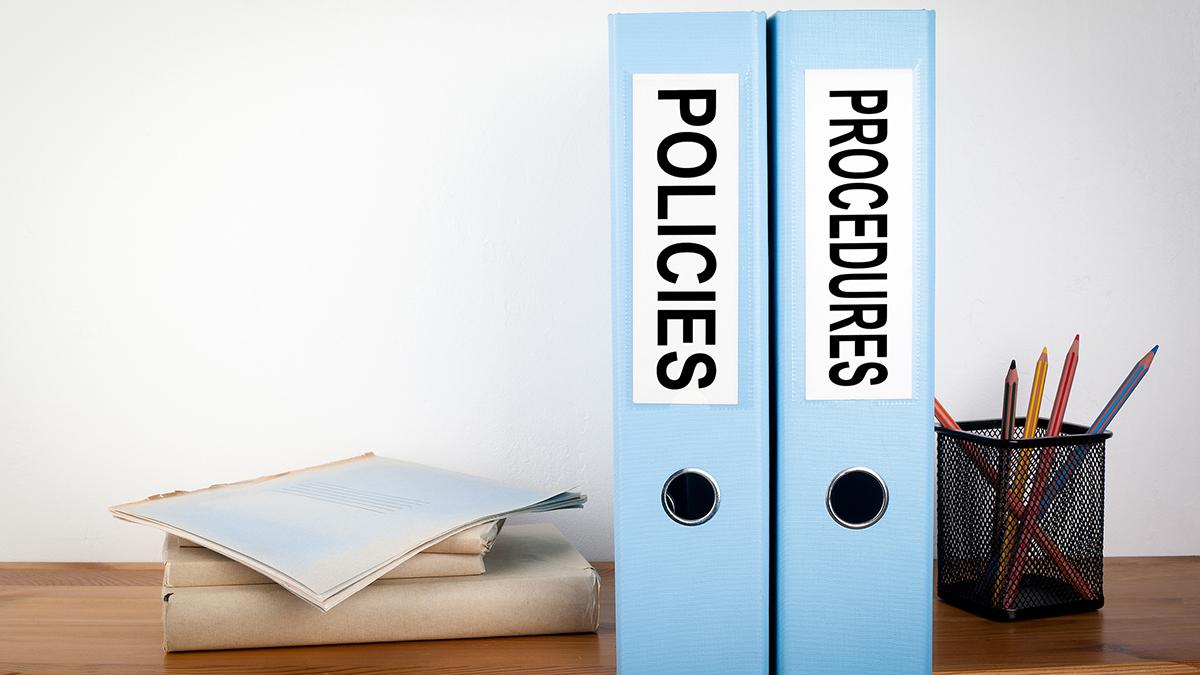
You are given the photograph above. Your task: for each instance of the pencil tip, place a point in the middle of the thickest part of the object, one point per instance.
(1155, 350)
(1077, 337)
(1043, 352)
(1013, 365)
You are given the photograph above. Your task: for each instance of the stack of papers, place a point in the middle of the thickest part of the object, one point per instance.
(187, 564)
(326, 532)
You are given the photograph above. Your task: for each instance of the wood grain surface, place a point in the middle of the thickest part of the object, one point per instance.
(105, 618)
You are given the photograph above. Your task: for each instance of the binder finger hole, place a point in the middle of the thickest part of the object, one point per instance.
(690, 497)
(857, 498)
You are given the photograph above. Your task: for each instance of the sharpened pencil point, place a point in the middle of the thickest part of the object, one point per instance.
(1155, 350)
(1013, 365)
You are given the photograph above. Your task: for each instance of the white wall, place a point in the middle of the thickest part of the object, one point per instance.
(237, 238)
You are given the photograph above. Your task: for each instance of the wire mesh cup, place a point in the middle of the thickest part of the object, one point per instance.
(1034, 547)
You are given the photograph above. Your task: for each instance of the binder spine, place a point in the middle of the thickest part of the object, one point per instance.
(690, 340)
(853, 588)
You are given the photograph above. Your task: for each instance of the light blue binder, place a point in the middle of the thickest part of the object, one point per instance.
(852, 595)
(689, 247)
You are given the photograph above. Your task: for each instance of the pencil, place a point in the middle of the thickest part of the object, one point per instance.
(1035, 396)
(1045, 464)
(1103, 420)
(1123, 392)
(1059, 410)
(1008, 416)
(1022, 474)
(1000, 517)
(1014, 505)
(943, 417)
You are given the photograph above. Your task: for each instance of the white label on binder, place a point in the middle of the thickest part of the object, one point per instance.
(858, 219)
(685, 238)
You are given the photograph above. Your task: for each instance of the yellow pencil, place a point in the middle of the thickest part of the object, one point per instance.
(1022, 473)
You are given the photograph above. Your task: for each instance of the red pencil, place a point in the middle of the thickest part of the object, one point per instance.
(1064, 389)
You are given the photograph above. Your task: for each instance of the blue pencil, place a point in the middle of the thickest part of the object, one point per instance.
(1103, 419)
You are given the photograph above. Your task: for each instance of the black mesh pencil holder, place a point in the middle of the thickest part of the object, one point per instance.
(1034, 547)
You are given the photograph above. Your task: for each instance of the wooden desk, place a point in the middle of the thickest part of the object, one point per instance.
(57, 617)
